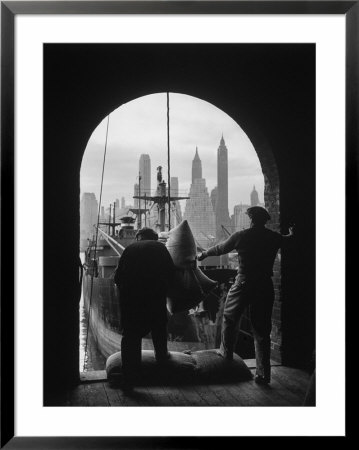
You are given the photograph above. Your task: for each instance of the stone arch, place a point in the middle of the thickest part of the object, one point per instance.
(260, 144)
(271, 198)
(83, 83)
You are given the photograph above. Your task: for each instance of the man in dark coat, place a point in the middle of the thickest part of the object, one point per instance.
(143, 276)
(257, 247)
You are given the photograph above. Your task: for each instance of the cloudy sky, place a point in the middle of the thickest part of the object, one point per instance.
(140, 127)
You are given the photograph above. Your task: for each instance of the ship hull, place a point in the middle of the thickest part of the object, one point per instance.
(101, 301)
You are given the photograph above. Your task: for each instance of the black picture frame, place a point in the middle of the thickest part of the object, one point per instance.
(9, 10)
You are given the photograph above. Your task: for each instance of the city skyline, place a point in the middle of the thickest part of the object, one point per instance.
(139, 127)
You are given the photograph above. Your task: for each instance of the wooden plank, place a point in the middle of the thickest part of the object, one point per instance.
(159, 396)
(288, 388)
(77, 396)
(245, 395)
(93, 375)
(139, 397)
(96, 395)
(207, 395)
(253, 395)
(164, 400)
(192, 396)
(161, 400)
(223, 395)
(274, 394)
(250, 363)
(295, 373)
(295, 380)
(176, 396)
(129, 400)
(293, 399)
(112, 395)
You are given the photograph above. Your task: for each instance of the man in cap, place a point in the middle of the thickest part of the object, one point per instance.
(257, 247)
(143, 276)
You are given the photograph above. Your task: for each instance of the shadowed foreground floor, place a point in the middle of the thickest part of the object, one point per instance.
(288, 388)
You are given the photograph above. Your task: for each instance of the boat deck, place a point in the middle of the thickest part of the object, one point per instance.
(288, 388)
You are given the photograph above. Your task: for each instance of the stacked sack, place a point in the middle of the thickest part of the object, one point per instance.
(191, 285)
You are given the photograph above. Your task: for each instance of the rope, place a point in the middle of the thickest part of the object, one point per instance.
(168, 161)
(95, 252)
(175, 211)
(112, 243)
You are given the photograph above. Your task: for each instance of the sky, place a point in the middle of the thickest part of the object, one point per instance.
(140, 127)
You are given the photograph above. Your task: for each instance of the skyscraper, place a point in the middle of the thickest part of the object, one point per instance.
(196, 167)
(176, 213)
(88, 215)
(254, 197)
(241, 220)
(136, 191)
(145, 172)
(222, 214)
(214, 195)
(199, 210)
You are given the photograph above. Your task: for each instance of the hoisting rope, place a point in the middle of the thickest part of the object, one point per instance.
(95, 252)
(113, 243)
(168, 161)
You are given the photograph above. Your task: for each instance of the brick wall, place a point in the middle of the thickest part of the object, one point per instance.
(271, 200)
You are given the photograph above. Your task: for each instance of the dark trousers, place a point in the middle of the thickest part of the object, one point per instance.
(258, 295)
(136, 325)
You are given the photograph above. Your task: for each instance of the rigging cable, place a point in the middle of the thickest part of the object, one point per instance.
(95, 252)
(168, 161)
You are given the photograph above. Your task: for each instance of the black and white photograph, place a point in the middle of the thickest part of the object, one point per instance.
(187, 176)
(180, 179)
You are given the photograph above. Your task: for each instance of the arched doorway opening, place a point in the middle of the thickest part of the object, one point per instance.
(277, 112)
(214, 168)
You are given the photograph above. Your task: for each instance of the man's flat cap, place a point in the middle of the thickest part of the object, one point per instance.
(258, 213)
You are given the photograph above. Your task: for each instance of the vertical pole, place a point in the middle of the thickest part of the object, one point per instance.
(145, 210)
(109, 220)
(95, 252)
(139, 200)
(168, 161)
(114, 218)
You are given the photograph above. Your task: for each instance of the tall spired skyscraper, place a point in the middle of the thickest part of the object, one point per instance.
(196, 167)
(145, 172)
(254, 197)
(199, 210)
(222, 214)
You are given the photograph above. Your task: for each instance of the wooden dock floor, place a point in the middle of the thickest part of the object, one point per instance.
(288, 388)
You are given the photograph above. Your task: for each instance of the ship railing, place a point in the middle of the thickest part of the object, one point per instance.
(116, 246)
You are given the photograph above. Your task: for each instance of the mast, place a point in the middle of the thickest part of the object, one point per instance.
(139, 200)
(163, 194)
(109, 220)
(114, 219)
(161, 198)
(168, 161)
(145, 209)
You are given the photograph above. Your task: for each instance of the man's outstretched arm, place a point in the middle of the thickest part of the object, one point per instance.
(222, 248)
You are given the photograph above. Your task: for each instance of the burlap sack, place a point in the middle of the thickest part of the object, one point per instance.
(191, 285)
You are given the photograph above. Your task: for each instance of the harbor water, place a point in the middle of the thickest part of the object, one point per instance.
(90, 357)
